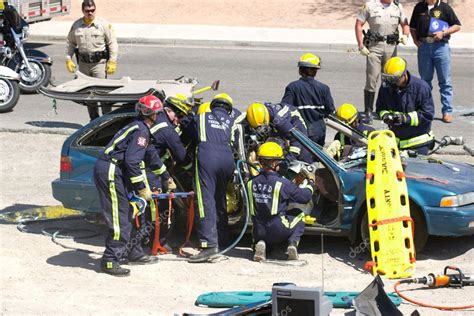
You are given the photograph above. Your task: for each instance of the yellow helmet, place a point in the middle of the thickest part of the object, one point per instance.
(394, 69)
(205, 107)
(223, 99)
(257, 115)
(270, 150)
(310, 61)
(347, 113)
(179, 103)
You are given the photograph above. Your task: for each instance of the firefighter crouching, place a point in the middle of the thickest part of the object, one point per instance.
(269, 196)
(405, 103)
(117, 173)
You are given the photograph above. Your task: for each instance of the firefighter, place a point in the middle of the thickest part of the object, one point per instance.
(93, 41)
(276, 120)
(348, 114)
(116, 174)
(405, 103)
(213, 167)
(311, 97)
(269, 197)
(380, 42)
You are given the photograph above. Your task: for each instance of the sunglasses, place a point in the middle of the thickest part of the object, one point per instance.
(89, 11)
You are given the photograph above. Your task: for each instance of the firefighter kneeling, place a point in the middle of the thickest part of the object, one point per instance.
(269, 195)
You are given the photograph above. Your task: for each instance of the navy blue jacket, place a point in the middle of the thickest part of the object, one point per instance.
(213, 128)
(346, 140)
(166, 138)
(312, 98)
(128, 149)
(270, 194)
(415, 100)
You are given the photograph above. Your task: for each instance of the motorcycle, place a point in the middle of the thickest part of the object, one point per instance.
(33, 66)
(9, 89)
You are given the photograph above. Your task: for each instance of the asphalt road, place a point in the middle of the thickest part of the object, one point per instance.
(246, 74)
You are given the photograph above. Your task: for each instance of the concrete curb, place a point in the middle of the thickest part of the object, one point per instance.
(226, 36)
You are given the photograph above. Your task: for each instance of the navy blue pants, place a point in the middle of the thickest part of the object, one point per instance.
(213, 169)
(279, 229)
(423, 149)
(122, 239)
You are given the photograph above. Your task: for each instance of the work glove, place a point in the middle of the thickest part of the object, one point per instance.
(71, 67)
(171, 185)
(111, 67)
(364, 51)
(334, 148)
(145, 193)
(404, 39)
(400, 119)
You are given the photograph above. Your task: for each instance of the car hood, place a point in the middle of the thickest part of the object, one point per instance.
(452, 176)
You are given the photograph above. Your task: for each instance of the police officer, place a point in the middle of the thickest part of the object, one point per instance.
(311, 97)
(276, 120)
(269, 196)
(117, 173)
(93, 40)
(380, 42)
(432, 24)
(406, 105)
(213, 167)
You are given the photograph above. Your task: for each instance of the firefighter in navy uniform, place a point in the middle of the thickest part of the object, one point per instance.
(311, 97)
(213, 167)
(348, 114)
(116, 173)
(269, 197)
(276, 120)
(406, 105)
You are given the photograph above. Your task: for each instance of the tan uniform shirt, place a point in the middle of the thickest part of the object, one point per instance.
(96, 37)
(382, 20)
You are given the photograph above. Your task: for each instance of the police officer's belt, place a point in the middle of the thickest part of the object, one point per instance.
(428, 40)
(93, 57)
(390, 39)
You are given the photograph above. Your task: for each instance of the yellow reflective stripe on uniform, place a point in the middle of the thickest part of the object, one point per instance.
(298, 115)
(283, 111)
(293, 223)
(415, 141)
(383, 112)
(342, 139)
(159, 171)
(202, 127)
(166, 156)
(147, 184)
(413, 118)
(157, 127)
(188, 166)
(120, 138)
(114, 202)
(137, 179)
(276, 198)
(234, 128)
(250, 194)
(198, 189)
(178, 130)
(295, 150)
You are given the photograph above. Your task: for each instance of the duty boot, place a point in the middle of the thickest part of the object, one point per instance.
(369, 97)
(145, 259)
(205, 255)
(260, 251)
(292, 251)
(114, 269)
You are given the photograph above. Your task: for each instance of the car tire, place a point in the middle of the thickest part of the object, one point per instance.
(421, 232)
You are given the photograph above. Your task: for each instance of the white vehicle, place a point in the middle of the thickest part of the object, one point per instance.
(41, 10)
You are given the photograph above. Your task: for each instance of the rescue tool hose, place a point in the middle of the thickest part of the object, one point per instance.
(447, 308)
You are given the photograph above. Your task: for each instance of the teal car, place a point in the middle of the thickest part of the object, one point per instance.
(441, 193)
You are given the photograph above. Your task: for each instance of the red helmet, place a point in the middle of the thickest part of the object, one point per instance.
(149, 105)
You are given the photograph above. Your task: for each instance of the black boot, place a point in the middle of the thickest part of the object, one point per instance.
(369, 97)
(145, 259)
(114, 269)
(205, 255)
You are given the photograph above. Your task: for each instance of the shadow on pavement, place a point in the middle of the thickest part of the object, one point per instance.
(50, 124)
(18, 208)
(33, 45)
(75, 259)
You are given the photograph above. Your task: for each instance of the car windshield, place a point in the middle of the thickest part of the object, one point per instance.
(100, 135)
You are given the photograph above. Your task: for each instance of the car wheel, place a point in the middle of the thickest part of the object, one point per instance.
(421, 232)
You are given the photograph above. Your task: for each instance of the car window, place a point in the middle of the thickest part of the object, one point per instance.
(101, 135)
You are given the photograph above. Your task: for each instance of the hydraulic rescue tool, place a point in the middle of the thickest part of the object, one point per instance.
(455, 280)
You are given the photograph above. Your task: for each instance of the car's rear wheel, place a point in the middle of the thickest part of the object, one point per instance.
(421, 231)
